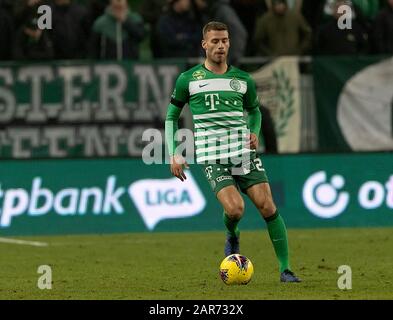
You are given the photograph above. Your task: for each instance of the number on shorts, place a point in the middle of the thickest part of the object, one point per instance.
(258, 164)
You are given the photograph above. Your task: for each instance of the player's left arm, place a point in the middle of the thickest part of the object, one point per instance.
(251, 105)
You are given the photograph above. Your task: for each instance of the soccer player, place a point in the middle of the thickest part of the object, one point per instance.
(217, 94)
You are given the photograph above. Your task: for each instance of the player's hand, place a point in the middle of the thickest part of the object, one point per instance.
(252, 141)
(177, 163)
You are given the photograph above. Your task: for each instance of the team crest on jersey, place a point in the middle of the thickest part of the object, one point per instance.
(199, 75)
(235, 84)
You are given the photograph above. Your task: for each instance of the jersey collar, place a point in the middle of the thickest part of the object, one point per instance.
(228, 69)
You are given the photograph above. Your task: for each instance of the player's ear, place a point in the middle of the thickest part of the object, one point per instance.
(204, 44)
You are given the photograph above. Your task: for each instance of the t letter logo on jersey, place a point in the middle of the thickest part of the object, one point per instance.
(211, 100)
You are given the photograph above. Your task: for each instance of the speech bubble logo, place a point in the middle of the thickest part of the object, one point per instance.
(159, 199)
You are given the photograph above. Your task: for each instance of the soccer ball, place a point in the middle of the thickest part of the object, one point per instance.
(236, 269)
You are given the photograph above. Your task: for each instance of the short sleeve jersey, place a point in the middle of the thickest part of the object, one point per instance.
(217, 102)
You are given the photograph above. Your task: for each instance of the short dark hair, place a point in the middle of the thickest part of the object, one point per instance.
(274, 2)
(214, 25)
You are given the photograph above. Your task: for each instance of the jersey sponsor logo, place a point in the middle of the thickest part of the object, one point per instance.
(199, 75)
(235, 84)
(203, 85)
(211, 100)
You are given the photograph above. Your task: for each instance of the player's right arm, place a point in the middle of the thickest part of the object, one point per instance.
(178, 100)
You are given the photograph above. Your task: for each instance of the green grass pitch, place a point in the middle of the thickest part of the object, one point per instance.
(185, 266)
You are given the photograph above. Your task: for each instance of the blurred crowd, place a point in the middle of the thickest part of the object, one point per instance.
(115, 29)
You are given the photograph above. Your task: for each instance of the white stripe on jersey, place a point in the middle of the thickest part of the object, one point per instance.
(234, 130)
(214, 139)
(216, 85)
(217, 115)
(224, 155)
(219, 123)
(227, 147)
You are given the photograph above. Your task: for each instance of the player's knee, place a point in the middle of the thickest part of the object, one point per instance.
(267, 208)
(235, 211)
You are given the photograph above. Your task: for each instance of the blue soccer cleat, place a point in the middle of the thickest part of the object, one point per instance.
(288, 276)
(232, 245)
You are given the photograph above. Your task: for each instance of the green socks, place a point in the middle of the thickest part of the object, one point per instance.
(231, 226)
(278, 236)
(277, 233)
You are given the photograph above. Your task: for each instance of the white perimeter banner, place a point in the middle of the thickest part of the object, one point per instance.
(278, 88)
(365, 108)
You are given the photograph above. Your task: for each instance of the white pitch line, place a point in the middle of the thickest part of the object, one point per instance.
(23, 242)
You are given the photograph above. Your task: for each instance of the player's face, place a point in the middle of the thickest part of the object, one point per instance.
(119, 5)
(216, 45)
(280, 8)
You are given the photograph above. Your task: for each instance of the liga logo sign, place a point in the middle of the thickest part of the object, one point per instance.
(156, 200)
(166, 198)
(328, 198)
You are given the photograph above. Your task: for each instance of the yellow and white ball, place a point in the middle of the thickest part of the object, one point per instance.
(236, 269)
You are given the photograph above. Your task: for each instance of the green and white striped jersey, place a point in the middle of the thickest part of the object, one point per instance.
(217, 102)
